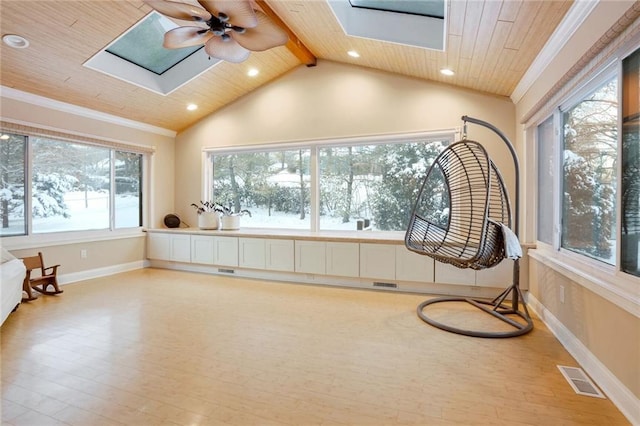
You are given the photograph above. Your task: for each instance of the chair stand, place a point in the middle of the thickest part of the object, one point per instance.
(498, 309)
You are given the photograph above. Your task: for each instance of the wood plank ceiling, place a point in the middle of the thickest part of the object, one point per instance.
(490, 45)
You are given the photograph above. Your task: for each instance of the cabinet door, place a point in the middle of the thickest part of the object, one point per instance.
(447, 274)
(343, 259)
(158, 246)
(412, 266)
(181, 248)
(225, 251)
(279, 255)
(500, 276)
(251, 252)
(310, 257)
(378, 261)
(202, 249)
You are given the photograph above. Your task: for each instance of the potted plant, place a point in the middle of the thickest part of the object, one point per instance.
(230, 220)
(208, 217)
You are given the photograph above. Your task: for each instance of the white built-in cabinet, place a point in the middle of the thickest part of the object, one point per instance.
(171, 247)
(266, 253)
(412, 266)
(251, 253)
(378, 261)
(310, 257)
(343, 259)
(202, 249)
(500, 276)
(279, 255)
(327, 258)
(370, 261)
(225, 251)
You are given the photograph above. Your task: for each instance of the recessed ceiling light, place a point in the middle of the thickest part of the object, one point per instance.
(192, 107)
(253, 72)
(15, 41)
(446, 71)
(353, 54)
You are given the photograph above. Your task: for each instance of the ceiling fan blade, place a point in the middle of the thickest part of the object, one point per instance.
(240, 12)
(227, 50)
(185, 37)
(178, 10)
(264, 36)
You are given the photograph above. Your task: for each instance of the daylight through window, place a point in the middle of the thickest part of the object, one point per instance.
(70, 187)
(359, 186)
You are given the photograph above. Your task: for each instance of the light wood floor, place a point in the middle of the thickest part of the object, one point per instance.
(157, 347)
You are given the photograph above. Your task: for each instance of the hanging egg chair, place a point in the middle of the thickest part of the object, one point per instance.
(462, 217)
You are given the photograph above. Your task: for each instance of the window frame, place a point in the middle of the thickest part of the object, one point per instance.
(609, 72)
(609, 281)
(31, 239)
(449, 135)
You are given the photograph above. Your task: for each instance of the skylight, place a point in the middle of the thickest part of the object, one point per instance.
(137, 57)
(142, 45)
(433, 8)
(419, 23)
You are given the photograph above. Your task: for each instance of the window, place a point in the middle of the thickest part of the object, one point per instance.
(589, 169)
(70, 186)
(377, 184)
(142, 45)
(630, 214)
(273, 185)
(12, 179)
(546, 171)
(128, 187)
(592, 156)
(359, 185)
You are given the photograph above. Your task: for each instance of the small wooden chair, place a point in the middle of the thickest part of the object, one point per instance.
(48, 277)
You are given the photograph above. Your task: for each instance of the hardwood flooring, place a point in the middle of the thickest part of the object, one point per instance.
(159, 347)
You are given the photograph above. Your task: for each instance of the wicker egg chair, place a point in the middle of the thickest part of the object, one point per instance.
(460, 218)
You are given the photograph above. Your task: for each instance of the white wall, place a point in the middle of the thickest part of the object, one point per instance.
(334, 100)
(604, 336)
(40, 112)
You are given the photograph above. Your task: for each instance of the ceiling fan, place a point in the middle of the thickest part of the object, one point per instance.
(230, 29)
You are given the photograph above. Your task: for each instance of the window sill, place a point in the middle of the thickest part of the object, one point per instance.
(618, 288)
(382, 237)
(61, 238)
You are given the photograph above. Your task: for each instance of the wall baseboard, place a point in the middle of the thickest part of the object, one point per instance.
(101, 272)
(615, 390)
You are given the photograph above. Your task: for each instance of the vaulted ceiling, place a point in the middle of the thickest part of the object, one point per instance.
(489, 43)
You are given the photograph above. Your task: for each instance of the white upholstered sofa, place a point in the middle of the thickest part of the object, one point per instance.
(12, 273)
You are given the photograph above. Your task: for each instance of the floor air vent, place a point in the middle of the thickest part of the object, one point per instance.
(387, 285)
(226, 271)
(580, 382)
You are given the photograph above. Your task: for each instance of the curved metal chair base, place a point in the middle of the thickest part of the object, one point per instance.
(498, 310)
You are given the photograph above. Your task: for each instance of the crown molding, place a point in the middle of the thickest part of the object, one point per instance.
(574, 18)
(30, 98)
